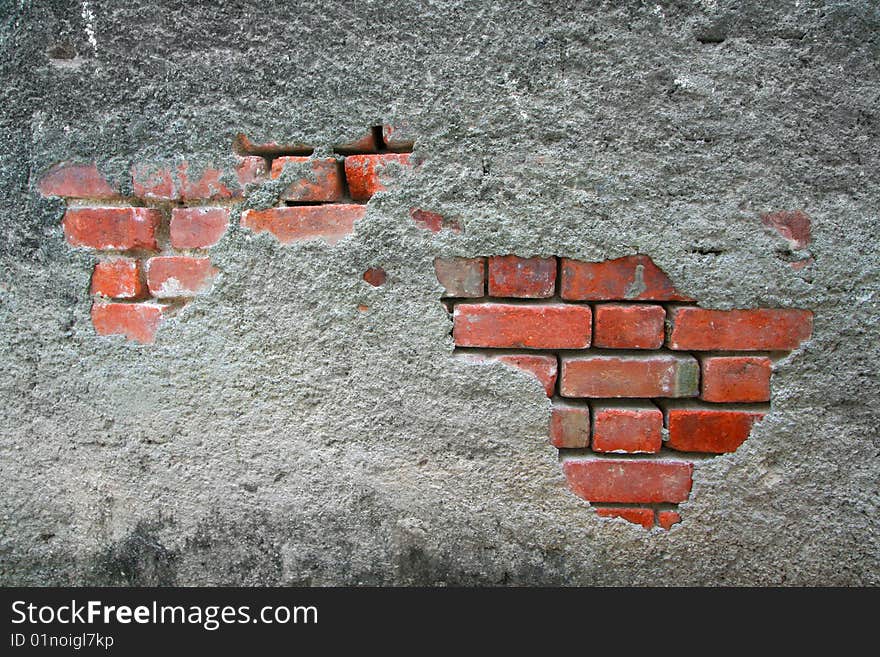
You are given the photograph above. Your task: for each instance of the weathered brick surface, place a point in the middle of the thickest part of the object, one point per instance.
(630, 429)
(179, 183)
(116, 229)
(198, 228)
(632, 278)
(251, 170)
(569, 426)
(368, 174)
(290, 224)
(321, 179)
(794, 226)
(709, 430)
(512, 276)
(541, 367)
(629, 326)
(76, 181)
(118, 278)
(735, 378)
(545, 326)
(136, 321)
(375, 276)
(762, 329)
(629, 481)
(461, 277)
(635, 515)
(179, 276)
(398, 138)
(631, 376)
(668, 518)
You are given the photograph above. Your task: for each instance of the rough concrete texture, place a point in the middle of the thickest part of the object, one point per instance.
(274, 434)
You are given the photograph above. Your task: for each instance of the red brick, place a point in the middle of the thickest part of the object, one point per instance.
(461, 277)
(375, 276)
(629, 429)
(365, 144)
(118, 229)
(632, 278)
(179, 276)
(541, 367)
(735, 378)
(198, 228)
(512, 276)
(638, 516)
(432, 221)
(635, 326)
(320, 179)
(632, 481)
(166, 184)
(136, 321)
(569, 426)
(290, 224)
(668, 518)
(649, 375)
(76, 181)
(118, 278)
(547, 326)
(763, 329)
(368, 174)
(251, 170)
(397, 138)
(709, 430)
(794, 226)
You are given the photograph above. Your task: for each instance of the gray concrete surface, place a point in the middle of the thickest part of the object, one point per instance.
(276, 435)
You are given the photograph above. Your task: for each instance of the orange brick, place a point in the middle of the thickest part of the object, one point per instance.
(512, 276)
(118, 278)
(546, 326)
(290, 224)
(320, 178)
(762, 329)
(629, 326)
(634, 428)
(735, 378)
(631, 481)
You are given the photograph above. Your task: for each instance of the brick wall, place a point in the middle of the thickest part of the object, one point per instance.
(152, 245)
(644, 383)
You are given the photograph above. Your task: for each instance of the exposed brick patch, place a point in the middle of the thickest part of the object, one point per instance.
(198, 228)
(794, 226)
(294, 223)
(147, 251)
(631, 278)
(642, 375)
(119, 278)
(545, 326)
(569, 426)
(322, 180)
(619, 326)
(136, 321)
(375, 276)
(543, 368)
(666, 519)
(112, 229)
(433, 221)
(179, 276)
(634, 428)
(762, 329)
(73, 180)
(461, 277)
(398, 138)
(735, 378)
(629, 481)
(636, 515)
(619, 450)
(527, 278)
(709, 430)
(369, 174)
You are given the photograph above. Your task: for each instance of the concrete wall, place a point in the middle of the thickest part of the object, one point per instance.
(276, 434)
